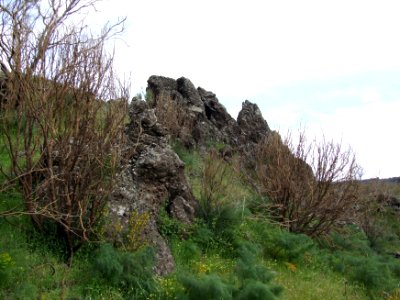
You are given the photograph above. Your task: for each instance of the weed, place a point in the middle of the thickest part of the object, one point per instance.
(130, 272)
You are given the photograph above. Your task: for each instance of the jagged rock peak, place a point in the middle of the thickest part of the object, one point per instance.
(252, 123)
(206, 119)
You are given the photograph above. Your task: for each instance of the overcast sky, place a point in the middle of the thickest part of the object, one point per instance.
(328, 66)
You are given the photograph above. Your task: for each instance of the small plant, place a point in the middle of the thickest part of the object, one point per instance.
(280, 244)
(170, 227)
(131, 272)
(136, 224)
(250, 279)
(6, 262)
(207, 287)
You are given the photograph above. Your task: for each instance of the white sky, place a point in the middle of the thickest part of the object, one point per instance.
(329, 66)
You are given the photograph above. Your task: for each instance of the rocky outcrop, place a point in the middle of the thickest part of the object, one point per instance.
(153, 177)
(252, 123)
(152, 180)
(209, 120)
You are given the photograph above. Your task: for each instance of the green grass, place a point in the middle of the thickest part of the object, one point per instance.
(309, 283)
(239, 251)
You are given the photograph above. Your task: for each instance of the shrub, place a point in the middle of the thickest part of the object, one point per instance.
(215, 182)
(280, 244)
(202, 234)
(185, 251)
(350, 239)
(207, 287)
(247, 267)
(368, 271)
(131, 272)
(255, 290)
(62, 138)
(250, 279)
(310, 187)
(170, 227)
(6, 263)
(134, 232)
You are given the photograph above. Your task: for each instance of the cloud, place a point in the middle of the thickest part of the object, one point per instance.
(370, 129)
(300, 61)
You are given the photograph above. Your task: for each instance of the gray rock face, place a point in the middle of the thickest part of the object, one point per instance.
(187, 89)
(210, 122)
(152, 180)
(158, 84)
(252, 122)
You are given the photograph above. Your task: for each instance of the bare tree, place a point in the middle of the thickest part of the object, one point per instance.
(310, 187)
(63, 140)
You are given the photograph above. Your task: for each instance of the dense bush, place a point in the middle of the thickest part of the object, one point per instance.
(251, 280)
(368, 271)
(131, 272)
(281, 244)
(206, 287)
(353, 256)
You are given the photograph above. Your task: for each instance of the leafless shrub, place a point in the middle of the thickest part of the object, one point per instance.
(173, 117)
(310, 187)
(63, 140)
(214, 183)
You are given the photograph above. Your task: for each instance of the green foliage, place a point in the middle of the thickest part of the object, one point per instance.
(170, 227)
(219, 233)
(256, 290)
(186, 251)
(368, 271)
(207, 287)
(149, 97)
(353, 256)
(26, 291)
(383, 231)
(247, 267)
(224, 223)
(131, 272)
(250, 280)
(6, 263)
(254, 277)
(259, 205)
(280, 244)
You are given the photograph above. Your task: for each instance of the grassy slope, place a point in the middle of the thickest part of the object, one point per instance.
(32, 266)
(310, 280)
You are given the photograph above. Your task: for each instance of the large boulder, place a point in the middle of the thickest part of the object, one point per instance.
(152, 180)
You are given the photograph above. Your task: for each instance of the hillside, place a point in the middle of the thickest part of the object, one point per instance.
(192, 216)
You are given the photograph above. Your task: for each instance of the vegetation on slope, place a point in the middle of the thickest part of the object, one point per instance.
(290, 238)
(235, 250)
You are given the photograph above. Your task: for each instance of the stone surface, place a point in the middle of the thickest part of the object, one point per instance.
(152, 180)
(208, 118)
(252, 122)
